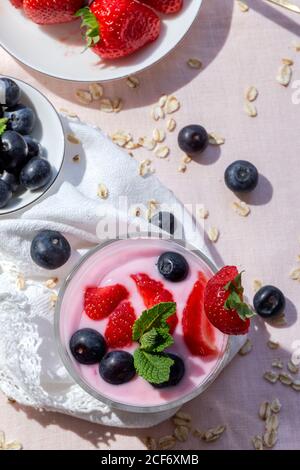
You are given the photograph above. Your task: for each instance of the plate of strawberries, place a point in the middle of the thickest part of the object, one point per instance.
(96, 40)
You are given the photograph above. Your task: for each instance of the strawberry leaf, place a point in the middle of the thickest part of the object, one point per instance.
(234, 302)
(90, 23)
(235, 299)
(236, 284)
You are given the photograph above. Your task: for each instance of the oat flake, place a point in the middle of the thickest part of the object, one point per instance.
(166, 442)
(273, 344)
(213, 234)
(257, 442)
(284, 75)
(250, 109)
(270, 438)
(246, 348)
(83, 96)
(157, 113)
(251, 93)
(158, 135)
(264, 410)
(132, 81)
(241, 208)
(96, 90)
(256, 285)
(162, 152)
(215, 139)
(106, 105)
(271, 376)
(102, 191)
(171, 125)
(73, 139)
(181, 433)
(150, 443)
(275, 405)
(194, 63)
(243, 6)
(172, 105)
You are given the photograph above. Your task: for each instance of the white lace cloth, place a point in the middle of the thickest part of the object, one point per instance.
(31, 371)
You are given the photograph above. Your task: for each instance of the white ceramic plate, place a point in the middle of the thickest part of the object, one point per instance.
(56, 50)
(49, 132)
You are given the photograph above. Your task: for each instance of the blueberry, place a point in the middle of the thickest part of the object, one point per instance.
(5, 193)
(88, 346)
(117, 367)
(34, 147)
(177, 372)
(173, 266)
(20, 119)
(10, 92)
(36, 173)
(11, 180)
(50, 249)
(269, 302)
(193, 139)
(13, 150)
(165, 221)
(241, 176)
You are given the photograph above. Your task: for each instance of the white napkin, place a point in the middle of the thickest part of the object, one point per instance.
(31, 371)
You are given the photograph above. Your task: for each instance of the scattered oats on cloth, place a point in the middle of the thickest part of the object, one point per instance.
(34, 375)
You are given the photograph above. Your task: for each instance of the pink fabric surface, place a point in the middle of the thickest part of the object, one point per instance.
(237, 49)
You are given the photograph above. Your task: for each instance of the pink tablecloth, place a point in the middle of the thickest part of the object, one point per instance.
(237, 49)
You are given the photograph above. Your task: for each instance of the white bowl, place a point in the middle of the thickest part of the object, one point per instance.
(49, 132)
(56, 50)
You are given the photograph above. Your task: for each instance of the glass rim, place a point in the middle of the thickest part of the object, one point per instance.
(65, 356)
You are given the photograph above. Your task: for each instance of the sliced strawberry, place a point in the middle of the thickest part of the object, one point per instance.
(223, 302)
(118, 333)
(99, 302)
(153, 292)
(199, 334)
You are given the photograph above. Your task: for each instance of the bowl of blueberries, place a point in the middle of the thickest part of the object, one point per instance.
(32, 145)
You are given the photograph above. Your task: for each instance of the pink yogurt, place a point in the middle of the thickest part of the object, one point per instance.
(112, 264)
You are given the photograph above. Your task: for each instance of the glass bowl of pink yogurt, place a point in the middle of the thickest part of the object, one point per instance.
(114, 262)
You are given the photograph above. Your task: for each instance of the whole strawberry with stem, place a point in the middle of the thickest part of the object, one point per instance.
(224, 302)
(165, 6)
(52, 11)
(117, 28)
(17, 3)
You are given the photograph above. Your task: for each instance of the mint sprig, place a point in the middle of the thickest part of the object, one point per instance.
(3, 125)
(155, 317)
(155, 368)
(153, 333)
(156, 340)
(91, 25)
(235, 299)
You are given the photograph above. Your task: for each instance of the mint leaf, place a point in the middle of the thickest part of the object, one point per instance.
(90, 23)
(3, 124)
(155, 317)
(156, 340)
(155, 368)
